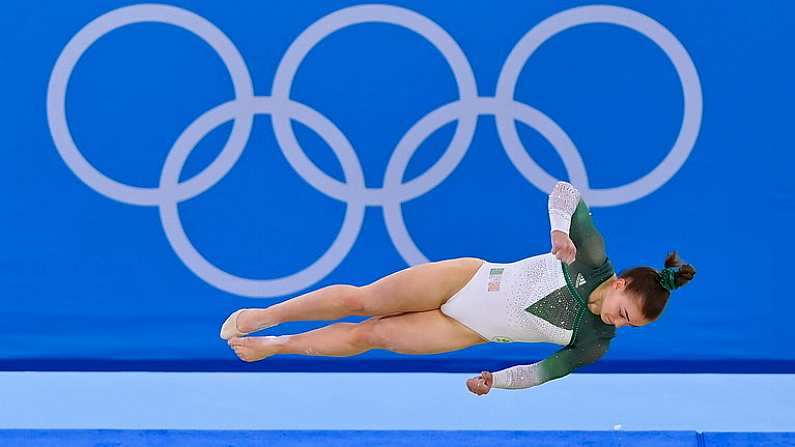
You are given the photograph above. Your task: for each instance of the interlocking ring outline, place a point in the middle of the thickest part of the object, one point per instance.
(353, 191)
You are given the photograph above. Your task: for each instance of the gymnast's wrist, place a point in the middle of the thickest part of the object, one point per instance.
(558, 222)
(500, 379)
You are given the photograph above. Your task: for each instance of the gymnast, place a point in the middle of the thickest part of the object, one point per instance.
(570, 297)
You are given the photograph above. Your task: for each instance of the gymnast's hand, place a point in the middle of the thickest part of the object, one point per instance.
(481, 384)
(562, 247)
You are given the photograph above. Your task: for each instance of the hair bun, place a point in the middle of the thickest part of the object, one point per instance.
(684, 274)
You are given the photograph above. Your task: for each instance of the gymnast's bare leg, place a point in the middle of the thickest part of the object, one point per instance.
(404, 303)
(415, 289)
(427, 332)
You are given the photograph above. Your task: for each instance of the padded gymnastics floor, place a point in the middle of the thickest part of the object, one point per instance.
(124, 409)
(331, 438)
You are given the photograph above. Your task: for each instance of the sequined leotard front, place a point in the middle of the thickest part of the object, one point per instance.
(540, 299)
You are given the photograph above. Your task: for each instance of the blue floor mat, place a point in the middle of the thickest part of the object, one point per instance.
(750, 439)
(184, 438)
(338, 438)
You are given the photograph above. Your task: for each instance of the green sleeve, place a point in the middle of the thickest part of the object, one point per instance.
(589, 242)
(568, 359)
(553, 367)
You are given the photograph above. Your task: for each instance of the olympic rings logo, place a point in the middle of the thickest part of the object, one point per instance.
(353, 192)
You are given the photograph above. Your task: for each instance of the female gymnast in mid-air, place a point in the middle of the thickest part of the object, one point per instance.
(570, 297)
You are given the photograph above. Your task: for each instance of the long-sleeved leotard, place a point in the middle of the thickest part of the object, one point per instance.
(590, 337)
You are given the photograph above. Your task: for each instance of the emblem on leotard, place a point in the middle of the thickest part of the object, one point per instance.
(495, 276)
(502, 340)
(580, 280)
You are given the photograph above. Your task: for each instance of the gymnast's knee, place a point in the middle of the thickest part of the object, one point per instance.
(370, 334)
(352, 299)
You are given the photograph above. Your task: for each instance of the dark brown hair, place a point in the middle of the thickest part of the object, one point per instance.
(645, 283)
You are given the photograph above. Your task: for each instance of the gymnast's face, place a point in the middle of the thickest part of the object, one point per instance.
(621, 307)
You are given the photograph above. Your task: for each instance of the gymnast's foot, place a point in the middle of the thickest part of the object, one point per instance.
(245, 321)
(251, 349)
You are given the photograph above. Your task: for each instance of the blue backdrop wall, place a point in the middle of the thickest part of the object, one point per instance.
(167, 164)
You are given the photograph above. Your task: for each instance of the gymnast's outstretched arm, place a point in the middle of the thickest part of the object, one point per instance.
(553, 367)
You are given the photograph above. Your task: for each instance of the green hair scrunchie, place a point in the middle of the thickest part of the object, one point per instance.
(668, 279)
